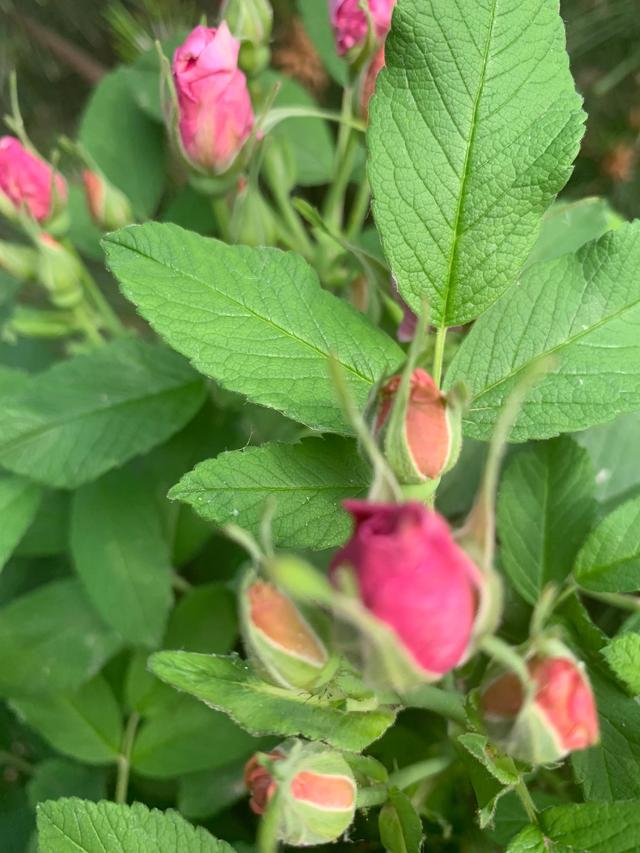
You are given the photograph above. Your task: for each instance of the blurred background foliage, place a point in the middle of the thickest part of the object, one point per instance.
(62, 47)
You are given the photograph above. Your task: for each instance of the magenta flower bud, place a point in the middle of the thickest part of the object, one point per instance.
(559, 717)
(28, 183)
(415, 581)
(350, 23)
(216, 116)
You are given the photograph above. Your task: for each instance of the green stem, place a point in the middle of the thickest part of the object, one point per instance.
(373, 795)
(525, 798)
(222, 214)
(500, 651)
(359, 210)
(267, 841)
(446, 703)
(615, 599)
(108, 315)
(124, 759)
(438, 355)
(334, 204)
(294, 223)
(84, 321)
(407, 776)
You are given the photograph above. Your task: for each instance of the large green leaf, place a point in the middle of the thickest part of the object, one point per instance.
(125, 143)
(530, 840)
(78, 826)
(88, 414)
(52, 639)
(186, 736)
(581, 311)
(19, 501)
(623, 656)
(257, 320)
(474, 128)
(546, 490)
(228, 684)
(593, 827)
(305, 481)
(85, 724)
(613, 450)
(57, 778)
(121, 555)
(609, 561)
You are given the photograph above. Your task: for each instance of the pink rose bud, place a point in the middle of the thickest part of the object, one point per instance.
(350, 23)
(415, 581)
(109, 207)
(28, 183)
(317, 791)
(560, 716)
(431, 433)
(216, 116)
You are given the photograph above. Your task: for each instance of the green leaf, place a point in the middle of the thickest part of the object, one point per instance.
(256, 320)
(122, 557)
(205, 794)
(582, 311)
(613, 451)
(48, 534)
(125, 143)
(85, 724)
(594, 827)
(623, 656)
(309, 139)
(530, 840)
(52, 639)
(315, 17)
(474, 127)
(57, 778)
(85, 415)
(19, 502)
(305, 481)
(546, 490)
(609, 560)
(400, 825)
(205, 619)
(229, 685)
(78, 826)
(569, 225)
(186, 736)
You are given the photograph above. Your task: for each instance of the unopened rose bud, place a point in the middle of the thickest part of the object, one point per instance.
(251, 22)
(216, 116)
(416, 584)
(558, 717)
(109, 208)
(280, 640)
(60, 272)
(19, 261)
(316, 791)
(28, 183)
(351, 25)
(427, 443)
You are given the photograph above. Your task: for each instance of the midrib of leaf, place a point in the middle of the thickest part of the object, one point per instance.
(453, 254)
(75, 844)
(242, 305)
(44, 428)
(557, 348)
(270, 489)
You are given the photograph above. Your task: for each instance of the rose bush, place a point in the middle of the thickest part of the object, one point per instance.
(318, 414)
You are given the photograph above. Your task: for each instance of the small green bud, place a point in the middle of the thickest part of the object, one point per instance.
(249, 20)
(315, 787)
(252, 222)
(19, 261)
(60, 272)
(109, 207)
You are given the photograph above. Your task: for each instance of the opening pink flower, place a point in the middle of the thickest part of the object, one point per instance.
(216, 115)
(350, 24)
(28, 181)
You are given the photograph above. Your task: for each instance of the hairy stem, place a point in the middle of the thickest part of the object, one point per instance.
(124, 759)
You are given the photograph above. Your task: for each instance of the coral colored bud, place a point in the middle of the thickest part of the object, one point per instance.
(368, 88)
(216, 116)
(350, 23)
(109, 207)
(559, 717)
(60, 272)
(430, 436)
(416, 583)
(316, 791)
(28, 183)
(279, 639)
